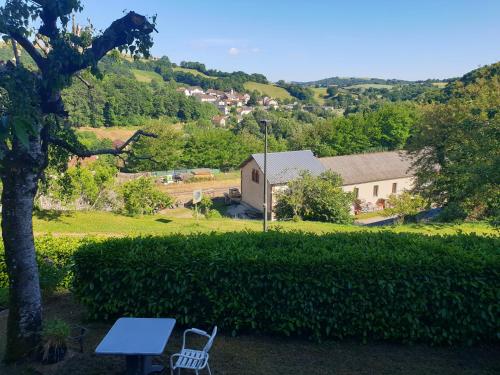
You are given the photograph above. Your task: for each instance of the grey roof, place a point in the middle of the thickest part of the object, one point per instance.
(285, 166)
(377, 166)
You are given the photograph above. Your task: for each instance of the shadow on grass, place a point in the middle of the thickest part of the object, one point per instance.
(51, 215)
(164, 221)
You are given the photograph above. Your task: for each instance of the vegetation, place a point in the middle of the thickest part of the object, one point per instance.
(124, 100)
(142, 197)
(82, 223)
(403, 205)
(268, 90)
(456, 147)
(32, 111)
(54, 340)
(317, 198)
(396, 287)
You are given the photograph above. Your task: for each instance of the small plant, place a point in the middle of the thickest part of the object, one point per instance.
(54, 341)
(4, 297)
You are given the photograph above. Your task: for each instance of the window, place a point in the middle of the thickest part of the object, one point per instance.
(375, 190)
(255, 175)
(394, 188)
(356, 193)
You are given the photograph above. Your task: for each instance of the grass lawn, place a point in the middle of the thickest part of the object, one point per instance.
(146, 76)
(268, 89)
(254, 354)
(109, 224)
(369, 215)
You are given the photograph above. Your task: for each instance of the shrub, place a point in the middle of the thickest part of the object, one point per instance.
(142, 197)
(318, 198)
(402, 287)
(54, 263)
(403, 205)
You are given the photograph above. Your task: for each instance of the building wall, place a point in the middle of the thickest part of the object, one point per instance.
(252, 193)
(365, 192)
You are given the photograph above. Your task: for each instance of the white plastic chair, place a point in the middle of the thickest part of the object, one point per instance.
(190, 358)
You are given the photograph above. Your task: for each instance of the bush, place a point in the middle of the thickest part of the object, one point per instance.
(142, 197)
(317, 198)
(403, 205)
(402, 287)
(54, 263)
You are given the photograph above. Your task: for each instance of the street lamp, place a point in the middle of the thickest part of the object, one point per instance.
(265, 124)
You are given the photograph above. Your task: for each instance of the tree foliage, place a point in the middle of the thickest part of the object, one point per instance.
(142, 197)
(318, 198)
(456, 148)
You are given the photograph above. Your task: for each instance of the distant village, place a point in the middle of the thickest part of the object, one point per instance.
(224, 101)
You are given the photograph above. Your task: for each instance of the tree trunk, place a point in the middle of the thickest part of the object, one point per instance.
(25, 308)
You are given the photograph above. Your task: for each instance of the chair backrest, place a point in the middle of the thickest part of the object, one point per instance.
(210, 341)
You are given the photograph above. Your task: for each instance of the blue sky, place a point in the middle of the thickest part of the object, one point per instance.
(313, 39)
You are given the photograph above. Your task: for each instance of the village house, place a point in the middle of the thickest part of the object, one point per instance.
(195, 90)
(204, 98)
(372, 177)
(216, 93)
(244, 111)
(219, 120)
(269, 102)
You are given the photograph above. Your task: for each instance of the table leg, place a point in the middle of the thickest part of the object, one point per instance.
(134, 365)
(149, 368)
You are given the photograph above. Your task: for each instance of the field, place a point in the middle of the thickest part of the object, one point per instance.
(108, 224)
(113, 133)
(193, 72)
(319, 94)
(146, 76)
(268, 89)
(440, 84)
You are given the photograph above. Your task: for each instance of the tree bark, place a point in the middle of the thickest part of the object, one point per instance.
(25, 308)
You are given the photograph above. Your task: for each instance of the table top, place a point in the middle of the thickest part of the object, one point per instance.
(137, 336)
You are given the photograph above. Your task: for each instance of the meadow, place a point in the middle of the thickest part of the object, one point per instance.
(146, 76)
(83, 223)
(268, 89)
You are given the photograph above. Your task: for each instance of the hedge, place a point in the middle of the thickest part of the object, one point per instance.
(54, 257)
(398, 287)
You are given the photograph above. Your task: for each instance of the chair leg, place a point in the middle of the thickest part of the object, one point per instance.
(208, 368)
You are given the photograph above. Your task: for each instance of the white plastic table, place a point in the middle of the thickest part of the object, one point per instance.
(138, 339)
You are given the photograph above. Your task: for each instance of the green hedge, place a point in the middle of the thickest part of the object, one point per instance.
(402, 287)
(54, 256)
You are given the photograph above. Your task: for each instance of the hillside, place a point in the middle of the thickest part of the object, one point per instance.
(146, 76)
(350, 81)
(268, 90)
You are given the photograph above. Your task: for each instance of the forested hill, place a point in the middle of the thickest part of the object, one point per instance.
(350, 81)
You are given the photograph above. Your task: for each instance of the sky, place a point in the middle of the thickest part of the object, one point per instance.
(314, 39)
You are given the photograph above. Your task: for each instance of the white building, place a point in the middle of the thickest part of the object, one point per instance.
(372, 177)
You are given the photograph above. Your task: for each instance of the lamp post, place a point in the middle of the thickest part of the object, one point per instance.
(265, 123)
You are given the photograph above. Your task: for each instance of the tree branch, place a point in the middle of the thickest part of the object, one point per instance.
(29, 48)
(116, 35)
(82, 153)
